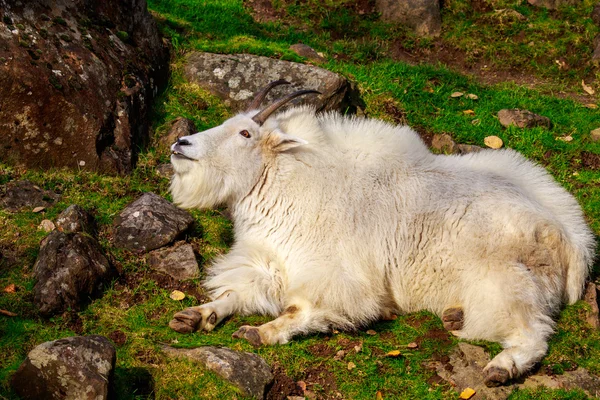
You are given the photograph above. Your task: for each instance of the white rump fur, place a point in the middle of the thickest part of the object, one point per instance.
(341, 221)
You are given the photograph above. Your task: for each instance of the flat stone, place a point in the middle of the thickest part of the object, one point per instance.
(493, 142)
(307, 52)
(20, 195)
(595, 134)
(422, 16)
(46, 225)
(522, 119)
(236, 78)
(75, 219)
(178, 261)
(249, 372)
(73, 368)
(148, 223)
(70, 269)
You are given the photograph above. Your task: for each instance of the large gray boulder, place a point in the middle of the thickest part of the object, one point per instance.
(20, 195)
(249, 372)
(235, 78)
(74, 368)
(70, 268)
(148, 223)
(422, 16)
(77, 78)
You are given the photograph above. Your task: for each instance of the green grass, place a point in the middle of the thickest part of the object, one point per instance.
(357, 46)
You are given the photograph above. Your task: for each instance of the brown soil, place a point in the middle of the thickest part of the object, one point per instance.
(417, 321)
(118, 337)
(283, 386)
(321, 381)
(321, 350)
(348, 345)
(440, 335)
(590, 160)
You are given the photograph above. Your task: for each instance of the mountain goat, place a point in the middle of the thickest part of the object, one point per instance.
(341, 221)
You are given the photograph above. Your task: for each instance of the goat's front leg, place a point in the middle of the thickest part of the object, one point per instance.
(295, 319)
(206, 316)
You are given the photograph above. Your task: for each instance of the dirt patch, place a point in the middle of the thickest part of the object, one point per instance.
(321, 350)
(417, 321)
(396, 112)
(440, 335)
(348, 345)
(118, 337)
(590, 160)
(322, 382)
(283, 386)
(263, 11)
(74, 322)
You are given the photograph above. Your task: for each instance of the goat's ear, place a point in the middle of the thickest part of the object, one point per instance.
(280, 141)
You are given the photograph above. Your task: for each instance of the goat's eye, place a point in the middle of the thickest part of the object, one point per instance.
(245, 134)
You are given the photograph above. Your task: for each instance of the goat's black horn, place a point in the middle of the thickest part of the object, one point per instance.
(260, 96)
(262, 116)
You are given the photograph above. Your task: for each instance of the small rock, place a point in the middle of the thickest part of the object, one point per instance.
(493, 142)
(73, 368)
(412, 345)
(443, 143)
(247, 371)
(38, 209)
(371, 332)
(472, 96)
(19, 195)
(179, 127)
(165, 170)
(70, 268)
(522, 119)
(75, 219)
(307, 52)
(456, 94)
(595, 134)
(467, 148)
(148, 223)
(46, 225)
(591, 298)
(178, 261)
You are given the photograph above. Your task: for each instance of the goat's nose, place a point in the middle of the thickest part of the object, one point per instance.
(183, 142)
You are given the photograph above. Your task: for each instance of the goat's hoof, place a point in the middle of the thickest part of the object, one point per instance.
(185, 321)
(453, 318)
(250, 333)
(495, 376)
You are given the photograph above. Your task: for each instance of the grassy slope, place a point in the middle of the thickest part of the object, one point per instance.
(358, 47)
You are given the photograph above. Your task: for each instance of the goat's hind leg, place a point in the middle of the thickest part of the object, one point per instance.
(295, 319)
(206, 316)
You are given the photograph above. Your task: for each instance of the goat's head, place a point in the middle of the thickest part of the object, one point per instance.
(223, 163)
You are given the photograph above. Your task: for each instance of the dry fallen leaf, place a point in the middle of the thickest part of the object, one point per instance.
(456, 94)
(493, 142)
(591, 105)
(7, 313)
(302, 385)
(567, 138)
(467, 394)
(351, 366)
(472, 96)
(588, 89)
(379, 396)
(469, 112)
(177, 295)
(358, 348)
(10, 288)
(391, 317)
(38, 209)
(371, 332)
(412, 345)
(393, 353)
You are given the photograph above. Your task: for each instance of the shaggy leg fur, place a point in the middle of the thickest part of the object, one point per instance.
(206, 316)
(510, 309)
(293, 321)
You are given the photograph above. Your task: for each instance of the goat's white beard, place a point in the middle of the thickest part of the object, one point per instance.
(197, 187)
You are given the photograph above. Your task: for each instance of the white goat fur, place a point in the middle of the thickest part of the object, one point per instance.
(342, 221)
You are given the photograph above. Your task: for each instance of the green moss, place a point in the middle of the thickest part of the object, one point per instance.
(43, 33)
(124, 36)
(59, 21)
(65, 37)
(55, 82)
